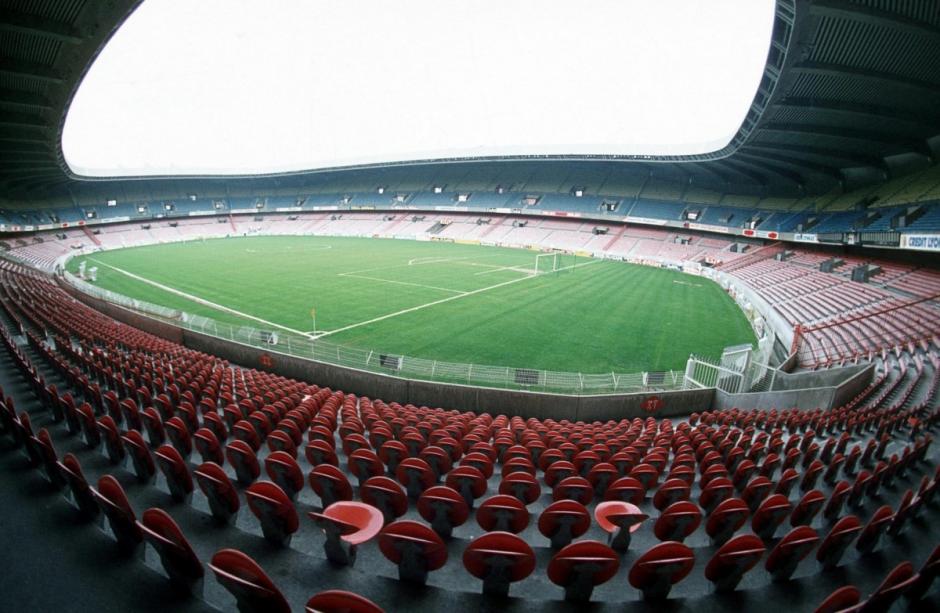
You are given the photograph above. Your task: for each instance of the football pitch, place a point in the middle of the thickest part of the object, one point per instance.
(438, 300)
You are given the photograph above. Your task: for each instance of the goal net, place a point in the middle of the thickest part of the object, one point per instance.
(553, 262)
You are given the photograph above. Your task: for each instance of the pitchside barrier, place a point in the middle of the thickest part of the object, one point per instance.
(435, 371)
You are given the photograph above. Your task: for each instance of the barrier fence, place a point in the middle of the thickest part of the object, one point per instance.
(301, 346)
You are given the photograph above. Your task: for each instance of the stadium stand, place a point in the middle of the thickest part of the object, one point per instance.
(870, 462)
(137, 473)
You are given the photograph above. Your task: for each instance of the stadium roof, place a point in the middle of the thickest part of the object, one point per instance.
(848, 96)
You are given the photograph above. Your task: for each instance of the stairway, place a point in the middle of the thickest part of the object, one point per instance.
(614, 238)
(91, 235)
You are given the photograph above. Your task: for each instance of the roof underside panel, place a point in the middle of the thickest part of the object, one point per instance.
(850, 91)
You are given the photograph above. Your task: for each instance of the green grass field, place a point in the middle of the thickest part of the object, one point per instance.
(441, 301)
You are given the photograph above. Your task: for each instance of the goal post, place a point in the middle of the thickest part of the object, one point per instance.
(546, 262)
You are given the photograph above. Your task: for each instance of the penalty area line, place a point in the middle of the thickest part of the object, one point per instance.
(197, 299)
(440, 289)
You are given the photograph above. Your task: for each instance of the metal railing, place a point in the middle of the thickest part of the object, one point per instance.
(478, 375)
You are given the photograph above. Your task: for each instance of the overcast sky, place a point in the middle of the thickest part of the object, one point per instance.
(250, 86)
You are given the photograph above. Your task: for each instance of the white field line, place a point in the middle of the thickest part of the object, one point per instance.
(527, 271)
(197, 299)
(573, 266)
(437, 302)
(442, 289)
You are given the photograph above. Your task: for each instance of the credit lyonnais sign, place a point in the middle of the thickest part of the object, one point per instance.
(923, 242)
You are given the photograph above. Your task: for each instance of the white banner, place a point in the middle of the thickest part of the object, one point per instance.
(646, 220)
(805, 238)
(921, 242)
(709, 228)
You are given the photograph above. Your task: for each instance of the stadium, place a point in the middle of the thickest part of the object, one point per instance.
(363, 307)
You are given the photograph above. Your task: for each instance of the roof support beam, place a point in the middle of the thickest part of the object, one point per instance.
(40, 72)
(12, 96)
(845, 9)
(836, 132)
(794, 177)
(10, 157)
(714, 169)
(798, 163)
(22, 134)
(926, 120)
(757, 177)
(855, 158)
(885, 79)
(14, 21)
(22, 119)
(15, 146)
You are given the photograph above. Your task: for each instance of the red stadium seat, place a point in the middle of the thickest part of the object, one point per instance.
(499, 559)
(339, 601)
(836, 501)
(113, 444)
(386, 495)
(469, 481)
(141, 458)
(843, 600)
(901, 578)
(717, 491)
(283, 470)
(248, 583)
(218, 489)
(443, 508)
(174, 469)
(673, 490)
(564, 521)
(657, 570)
(274, 511)
(242, 458)
(347, 524)
(726, 519)
(925, 578)
(837, 541)
(115, 506)
(415, 475)
(678, 521)
(330, 484)
(502, 513)
(208, 446)
(807, 508)
(365, 464)
(81, 493)
(522, 486)
(876, 526)
(177, 556)
(620, 520)
(626, 489)
(320, 452)
(177, 431)
(769, 515)
(789, 551)
(580, 567)
(414, 548)
(733, 560)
